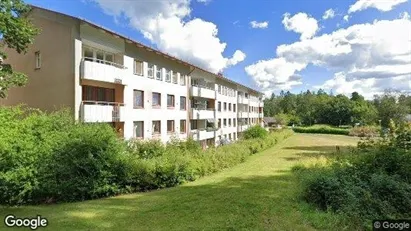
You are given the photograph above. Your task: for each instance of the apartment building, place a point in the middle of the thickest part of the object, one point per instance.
(143, 93)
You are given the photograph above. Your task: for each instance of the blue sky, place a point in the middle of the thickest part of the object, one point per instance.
(308, 65)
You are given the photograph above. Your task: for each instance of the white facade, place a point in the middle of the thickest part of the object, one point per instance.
(146, 94)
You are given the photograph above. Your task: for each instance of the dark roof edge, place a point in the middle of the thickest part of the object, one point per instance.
(145, 46)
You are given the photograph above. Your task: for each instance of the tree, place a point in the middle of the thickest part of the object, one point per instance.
(389, 109)
(16, 32)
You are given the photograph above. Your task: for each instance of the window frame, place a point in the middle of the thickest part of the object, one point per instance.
(172, 126)
(173, 103)
(183, 106)
(150, 69)
(135, 106)
(154, 126)
(37, 57)
(135, 130)
(159, 70)
(183, 126)
(168, 74)
(135, 67)
(159, 100)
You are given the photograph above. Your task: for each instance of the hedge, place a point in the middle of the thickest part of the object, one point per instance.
(50, 158)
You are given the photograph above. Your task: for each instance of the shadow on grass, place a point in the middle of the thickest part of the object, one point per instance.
(253, 203)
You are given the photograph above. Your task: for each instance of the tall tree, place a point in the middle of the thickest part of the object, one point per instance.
(16, 32)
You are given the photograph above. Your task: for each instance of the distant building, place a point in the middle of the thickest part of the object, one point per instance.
(269, 121)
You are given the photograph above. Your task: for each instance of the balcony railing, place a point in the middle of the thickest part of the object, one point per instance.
(199, 114)
(100, 111)
(202, 134)
(101, 70)
(198, 91)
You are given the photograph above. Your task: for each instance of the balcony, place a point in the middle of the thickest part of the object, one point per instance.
(243, 100)
(202, 114)
(92, 111)
(202, 134)
(243, 127)
(99, 70)
(197, 91)
(243, 115)
(260, 115)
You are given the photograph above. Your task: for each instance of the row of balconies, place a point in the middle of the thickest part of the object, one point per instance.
(113, 73)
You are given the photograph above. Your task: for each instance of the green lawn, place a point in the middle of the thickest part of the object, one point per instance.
(260, 194)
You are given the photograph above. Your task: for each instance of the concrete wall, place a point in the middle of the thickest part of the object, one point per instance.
(52, 85)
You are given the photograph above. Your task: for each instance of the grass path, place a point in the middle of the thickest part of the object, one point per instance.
(260, 194)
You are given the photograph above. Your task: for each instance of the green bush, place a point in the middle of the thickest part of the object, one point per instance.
(48, 158)
(373, 181)
(255, 132)
(322, 129)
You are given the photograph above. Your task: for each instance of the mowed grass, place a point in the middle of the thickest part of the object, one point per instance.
(260, 194)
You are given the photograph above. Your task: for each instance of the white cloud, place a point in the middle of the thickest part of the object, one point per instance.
(366, 87)
(238, 56)
(166, 23)
(328, 14)
(364, 57)
(301, 23)
(405, 15)
(346, 17)
(381, 5)
(261, 25)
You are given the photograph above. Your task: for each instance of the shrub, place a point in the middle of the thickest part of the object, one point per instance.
(255, 132)
(48, 158)
(321, 129)
(364, 131)
(374, 181)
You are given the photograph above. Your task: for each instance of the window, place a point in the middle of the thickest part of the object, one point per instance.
(194, 125)
(234, 123)
(246, 95)
(170, 101)
(139, 129)
(91, 93)
(37, 56)
(182, 80)
(183, 126)
(138, 67)
(150, 70)
(225, 122)
(229, 106)
(219, 106)
(156, 127)
(229, 136)
(138, 99)
(229, 122)
(170, 126)
(219, 89)
(156, 99)
(219, 123)
(225, 106)
(175, 77)
(234, 136)
(233, 107)
(159, 74)
(182, 103)
(168, 75)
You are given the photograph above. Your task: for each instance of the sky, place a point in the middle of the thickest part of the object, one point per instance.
(271, 45)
